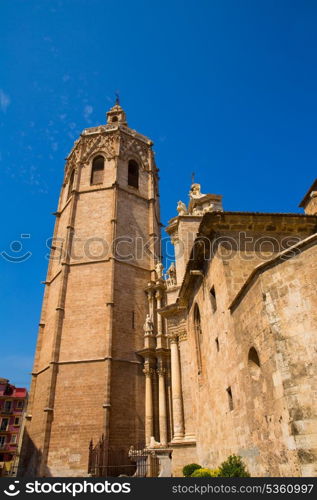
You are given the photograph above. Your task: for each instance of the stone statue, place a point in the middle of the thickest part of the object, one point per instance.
(171, 275)
(181, 208)
(194, 192)
(197, 211)
(159, 270)
(148, 326)
(153, 443)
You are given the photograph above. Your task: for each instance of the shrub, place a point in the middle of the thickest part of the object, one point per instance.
(202, 473)
(189, 469)
(233, 467)
(215, 472)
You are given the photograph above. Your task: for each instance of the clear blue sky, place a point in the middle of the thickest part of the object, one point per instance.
(224, 88)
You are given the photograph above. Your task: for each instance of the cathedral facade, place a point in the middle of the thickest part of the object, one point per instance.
(216, 356)
(242, 326)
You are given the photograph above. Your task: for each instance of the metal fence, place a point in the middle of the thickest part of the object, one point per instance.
(114, 461)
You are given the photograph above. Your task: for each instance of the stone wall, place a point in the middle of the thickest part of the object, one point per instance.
(271, 418)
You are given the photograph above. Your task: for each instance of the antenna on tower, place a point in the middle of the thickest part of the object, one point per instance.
(193, 177)
(117, 98)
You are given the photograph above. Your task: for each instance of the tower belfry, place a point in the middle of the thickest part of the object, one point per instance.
(87, 380)
(116, 115)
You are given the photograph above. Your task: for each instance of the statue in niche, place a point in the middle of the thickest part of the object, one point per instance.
(171, 275)
(159, 270)
(148, 326)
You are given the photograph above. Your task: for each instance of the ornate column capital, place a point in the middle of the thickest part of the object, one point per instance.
(161, 371)
(173, 338)
(148, 372)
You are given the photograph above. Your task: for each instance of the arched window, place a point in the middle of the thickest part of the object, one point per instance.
(254, 363)
(133, 174)
(71, 183)
(198, 334)
(97, 170)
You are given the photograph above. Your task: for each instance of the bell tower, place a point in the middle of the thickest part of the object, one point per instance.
(87, 380)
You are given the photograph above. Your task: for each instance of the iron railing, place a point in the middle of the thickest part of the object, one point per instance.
(114, 461)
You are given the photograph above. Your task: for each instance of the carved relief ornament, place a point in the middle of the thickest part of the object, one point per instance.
(132, 147)
(87, 145)
(148, 372)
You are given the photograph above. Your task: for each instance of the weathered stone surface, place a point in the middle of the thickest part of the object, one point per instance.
(265, 301)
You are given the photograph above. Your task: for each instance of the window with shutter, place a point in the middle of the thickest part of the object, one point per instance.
(97, 170)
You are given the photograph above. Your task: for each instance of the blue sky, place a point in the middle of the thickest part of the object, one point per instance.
(224, 88)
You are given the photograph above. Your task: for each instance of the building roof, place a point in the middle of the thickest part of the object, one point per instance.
(313, 187)
(13, 392)
(212, 221)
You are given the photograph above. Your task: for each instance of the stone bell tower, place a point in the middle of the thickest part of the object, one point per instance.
(87, 380)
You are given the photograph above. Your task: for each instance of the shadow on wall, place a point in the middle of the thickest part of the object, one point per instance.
(30, 459)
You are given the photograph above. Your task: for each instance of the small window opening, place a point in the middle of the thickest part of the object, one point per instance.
(114, 119)
(71, 183)
(97, 170)
(230, 398)
(217, 343)
(133, 320)
(254, 363)
(198, 336)
(7, 406)
(197, 320)
(4, 424)
(213, 299)
(133, 174)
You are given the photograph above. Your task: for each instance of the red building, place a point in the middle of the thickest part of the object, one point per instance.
(12, 407)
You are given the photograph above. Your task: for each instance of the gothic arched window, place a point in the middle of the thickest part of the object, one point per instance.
(198, 334)
(71, 183)
(97, 170)
(133, 174)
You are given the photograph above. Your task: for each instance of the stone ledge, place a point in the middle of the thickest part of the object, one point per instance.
(177, 444)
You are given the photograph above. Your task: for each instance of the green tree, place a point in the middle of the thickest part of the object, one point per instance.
(233, 467)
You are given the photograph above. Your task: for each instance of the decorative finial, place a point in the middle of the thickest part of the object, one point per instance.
(193, 177)
(117, 98)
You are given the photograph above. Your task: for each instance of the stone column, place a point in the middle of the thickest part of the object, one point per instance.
(148, 372)
(158, 297)
(177, 399)
(162, 405)
(159, 335)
